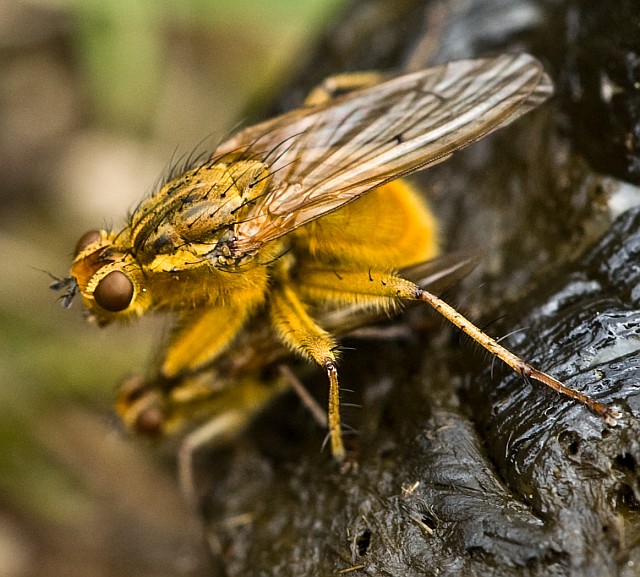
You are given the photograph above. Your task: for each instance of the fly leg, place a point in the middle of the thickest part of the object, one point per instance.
(235, 407)
(317, 412)
(199, 338)
(341, 84)
(380, 287)
(213, 432)
(303, 335)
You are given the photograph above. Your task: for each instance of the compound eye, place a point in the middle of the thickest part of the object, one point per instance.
(150, 422)
(114, 292)
(85, 240)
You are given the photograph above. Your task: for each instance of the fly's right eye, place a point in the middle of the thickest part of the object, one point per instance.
(85, 240)
(114, 292)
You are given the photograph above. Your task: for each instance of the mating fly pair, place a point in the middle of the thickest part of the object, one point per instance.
(295, 219)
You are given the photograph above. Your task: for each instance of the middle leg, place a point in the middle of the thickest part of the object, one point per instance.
(302, 334)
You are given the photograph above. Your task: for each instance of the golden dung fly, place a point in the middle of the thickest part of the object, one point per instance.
(304, 213)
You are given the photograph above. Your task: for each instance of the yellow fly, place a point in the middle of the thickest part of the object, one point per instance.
(276, 222)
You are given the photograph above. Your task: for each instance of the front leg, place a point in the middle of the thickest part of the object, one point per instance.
(200, 337)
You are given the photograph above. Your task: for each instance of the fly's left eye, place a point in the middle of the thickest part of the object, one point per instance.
(114, 292)
(85, 240)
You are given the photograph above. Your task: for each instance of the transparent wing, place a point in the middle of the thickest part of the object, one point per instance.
(323, 157)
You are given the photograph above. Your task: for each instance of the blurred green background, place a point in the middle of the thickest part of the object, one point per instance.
(96, 97)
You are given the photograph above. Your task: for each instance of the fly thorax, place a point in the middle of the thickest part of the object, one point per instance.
(199, 212)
